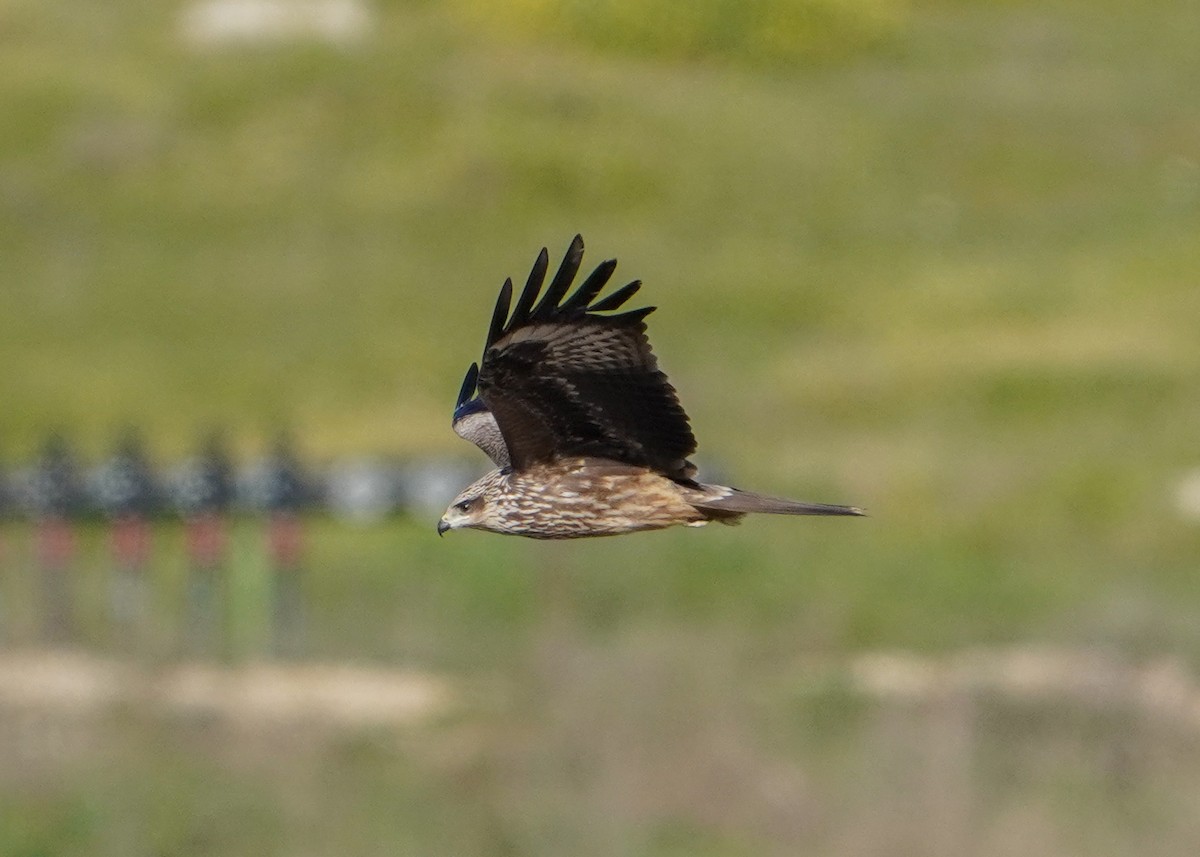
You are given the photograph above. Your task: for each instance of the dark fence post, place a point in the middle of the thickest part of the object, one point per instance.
(7, 505)
(203, 495)
(287, 494)
(55, 497)
(127, 492)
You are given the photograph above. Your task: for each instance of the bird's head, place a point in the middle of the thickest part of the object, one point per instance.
(474, 507)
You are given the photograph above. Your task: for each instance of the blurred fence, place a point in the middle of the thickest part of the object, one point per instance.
(46, 504)
(59, 485)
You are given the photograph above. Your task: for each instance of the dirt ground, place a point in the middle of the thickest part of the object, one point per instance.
(259, 693)
(349, 696)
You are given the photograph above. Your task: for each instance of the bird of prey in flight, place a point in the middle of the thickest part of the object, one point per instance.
(587, 435)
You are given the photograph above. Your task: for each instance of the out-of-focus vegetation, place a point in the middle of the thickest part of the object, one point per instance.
(947, 272)
(752, 31)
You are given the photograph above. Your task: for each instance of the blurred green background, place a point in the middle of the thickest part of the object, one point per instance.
(933, 258)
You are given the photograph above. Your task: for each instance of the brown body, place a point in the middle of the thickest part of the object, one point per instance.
(581, 497)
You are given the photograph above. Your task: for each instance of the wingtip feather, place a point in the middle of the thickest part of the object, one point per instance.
(500, 313)
(617, 298)
(563, 278)
(533, 285)
(468, 386)
(590, 287)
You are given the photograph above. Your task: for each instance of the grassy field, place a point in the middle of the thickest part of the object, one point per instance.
(948, 274)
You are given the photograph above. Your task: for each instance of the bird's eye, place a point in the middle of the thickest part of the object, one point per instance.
(464, 506)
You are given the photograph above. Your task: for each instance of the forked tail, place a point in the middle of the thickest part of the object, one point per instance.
(729, 502)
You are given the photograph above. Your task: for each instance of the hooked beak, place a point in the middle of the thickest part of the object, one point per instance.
(442, 526)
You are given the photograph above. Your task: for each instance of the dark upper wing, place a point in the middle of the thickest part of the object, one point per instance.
(563, 379)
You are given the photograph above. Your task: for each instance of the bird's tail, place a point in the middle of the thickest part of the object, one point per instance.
(726, 503)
